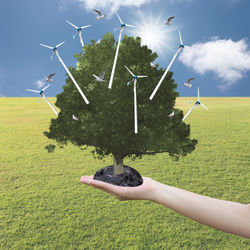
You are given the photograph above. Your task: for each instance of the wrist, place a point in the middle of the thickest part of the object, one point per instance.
(157, 192)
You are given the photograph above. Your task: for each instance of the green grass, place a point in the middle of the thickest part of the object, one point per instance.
(43, 205)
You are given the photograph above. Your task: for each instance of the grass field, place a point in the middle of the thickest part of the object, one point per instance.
(44, 206)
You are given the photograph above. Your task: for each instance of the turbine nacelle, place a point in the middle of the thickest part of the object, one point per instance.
(198, 102)
(135, 77)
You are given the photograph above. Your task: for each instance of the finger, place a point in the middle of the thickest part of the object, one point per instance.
(91, 182)
(116, 190)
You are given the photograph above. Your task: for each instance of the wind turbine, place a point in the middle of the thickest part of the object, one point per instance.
(55, 51)
(79, 31)
(135, 77)
(170, 64)
(41, 92)
(123, 25)
(197, 103)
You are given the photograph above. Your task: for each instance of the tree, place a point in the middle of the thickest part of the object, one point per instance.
(107, 122)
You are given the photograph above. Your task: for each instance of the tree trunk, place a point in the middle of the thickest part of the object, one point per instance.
(118, 164)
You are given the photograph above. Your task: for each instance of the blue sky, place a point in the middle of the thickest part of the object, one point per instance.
(216, 31)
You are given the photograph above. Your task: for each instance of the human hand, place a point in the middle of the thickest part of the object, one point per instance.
(146, 191)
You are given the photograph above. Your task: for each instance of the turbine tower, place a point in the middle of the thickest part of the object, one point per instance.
(123, 25)
(170, 64)
(135, 77)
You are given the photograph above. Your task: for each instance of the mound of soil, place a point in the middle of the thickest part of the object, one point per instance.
(129, 178)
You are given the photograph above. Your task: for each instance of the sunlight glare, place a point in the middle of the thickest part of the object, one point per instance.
(153, 33)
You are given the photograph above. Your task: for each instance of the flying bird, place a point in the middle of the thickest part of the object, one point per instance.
(188, 84)
(75, 118)
(99, 14)
(101, 76)
(49, 78)
(98, 42)
(168, 22)
(152, 65)
(171, 115)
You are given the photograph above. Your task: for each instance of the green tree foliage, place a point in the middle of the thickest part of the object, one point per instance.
(107, 122)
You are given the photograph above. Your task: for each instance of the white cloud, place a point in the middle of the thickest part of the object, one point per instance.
(39, 83)
(108, 7)
(226, 58)
(111, 5)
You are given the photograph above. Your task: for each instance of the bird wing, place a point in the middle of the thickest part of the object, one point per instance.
(190, 79)
(172, 114)
(103, 73)
(152, 65)
(98, 12)
(170, 18)
(50, 76)
(96, 77)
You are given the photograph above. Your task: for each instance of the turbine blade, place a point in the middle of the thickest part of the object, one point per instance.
(189, 112)
(130, 25)
(180, 37)
(52, 55)
(46, 46)
(198, 94)
(119, 18)
(60, 44)
(86, 26)
(72, 24)
(141, 76)
(50, 105)
(129, 71)
(31, 90)
(204, 106)
(46, 87)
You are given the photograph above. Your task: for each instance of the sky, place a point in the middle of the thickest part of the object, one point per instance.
(216, 33)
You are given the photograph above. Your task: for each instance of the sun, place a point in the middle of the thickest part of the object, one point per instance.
(153, 32)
